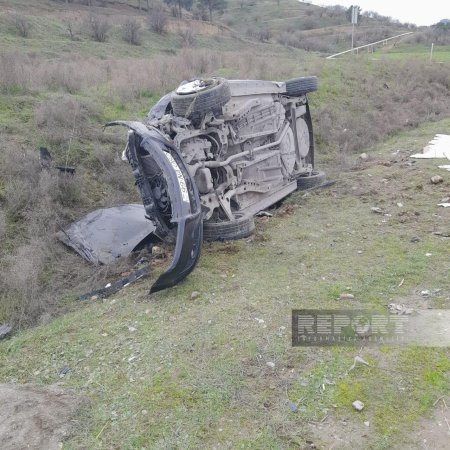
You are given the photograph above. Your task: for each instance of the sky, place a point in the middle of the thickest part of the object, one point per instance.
(412, 11)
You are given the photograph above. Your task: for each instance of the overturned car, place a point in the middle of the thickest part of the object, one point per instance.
(215, 152)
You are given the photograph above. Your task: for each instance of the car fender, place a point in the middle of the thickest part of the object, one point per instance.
(183, 194)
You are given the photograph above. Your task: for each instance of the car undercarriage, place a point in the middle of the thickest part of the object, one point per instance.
(214, 153)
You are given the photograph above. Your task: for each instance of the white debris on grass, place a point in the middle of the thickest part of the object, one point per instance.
(438, 147)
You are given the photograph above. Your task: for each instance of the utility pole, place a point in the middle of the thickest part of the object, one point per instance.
(355, 11)
(431, 52)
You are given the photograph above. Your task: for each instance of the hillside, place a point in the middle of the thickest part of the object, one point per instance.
(172, 371)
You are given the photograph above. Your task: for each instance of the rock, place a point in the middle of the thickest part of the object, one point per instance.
(64, 371)
(415, 239)
(194, 295)
(363, 156)
(436, 179)
(400, 205)
(358, 405)
(5, 331)
(270, 364)
(292, 407)
(367, 423)
(425, 293)
(376, 209)
(400, 309)
(131, 329)
(445, 200)
(346, 296)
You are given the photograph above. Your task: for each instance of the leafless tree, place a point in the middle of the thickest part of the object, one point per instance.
(131, 31)
(99, 28)
(187, 36)
(158, 21)
(21, 24)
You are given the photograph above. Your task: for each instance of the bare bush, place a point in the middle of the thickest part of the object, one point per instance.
(264, 35)
(21, 24)
(72, 29)
(187, 37)
(158, 21)
(131, 31)
(99, 27)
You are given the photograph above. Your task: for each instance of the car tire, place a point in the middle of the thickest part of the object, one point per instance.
(196, 105)
(229, 230)
(305, 182)
(300, 86)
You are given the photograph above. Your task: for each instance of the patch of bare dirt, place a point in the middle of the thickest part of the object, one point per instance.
(433, 433)
(35, 417)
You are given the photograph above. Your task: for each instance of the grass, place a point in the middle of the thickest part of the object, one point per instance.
(171, 372)
(420, 52)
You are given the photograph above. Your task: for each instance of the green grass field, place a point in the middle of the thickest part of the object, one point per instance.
(407, 52)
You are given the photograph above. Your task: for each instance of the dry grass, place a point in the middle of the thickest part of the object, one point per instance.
(61, 118)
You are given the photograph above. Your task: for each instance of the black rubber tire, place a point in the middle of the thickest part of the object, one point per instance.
(307, 182)
(195, 106)
(301, 86)
(228, 231)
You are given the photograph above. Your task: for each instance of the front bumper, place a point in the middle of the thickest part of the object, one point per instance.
(184, 197)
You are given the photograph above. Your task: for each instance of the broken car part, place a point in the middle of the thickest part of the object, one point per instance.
(107, 234)
(112, 288)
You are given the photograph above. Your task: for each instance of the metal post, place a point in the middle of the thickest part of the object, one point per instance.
(431, 52)
(353, 32)
(355, 10)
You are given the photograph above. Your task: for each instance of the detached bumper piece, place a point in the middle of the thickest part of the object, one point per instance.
(167, 162)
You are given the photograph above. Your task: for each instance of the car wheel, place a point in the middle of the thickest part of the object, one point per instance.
(301, 86)
(196, 98)
(228, 230)
(305, 182)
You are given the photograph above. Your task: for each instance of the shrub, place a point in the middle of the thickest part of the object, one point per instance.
(264, 34)
(187, 37)
(131, 31)
(99, 28)
(72, 29)
(158, 21)
(21, 24)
